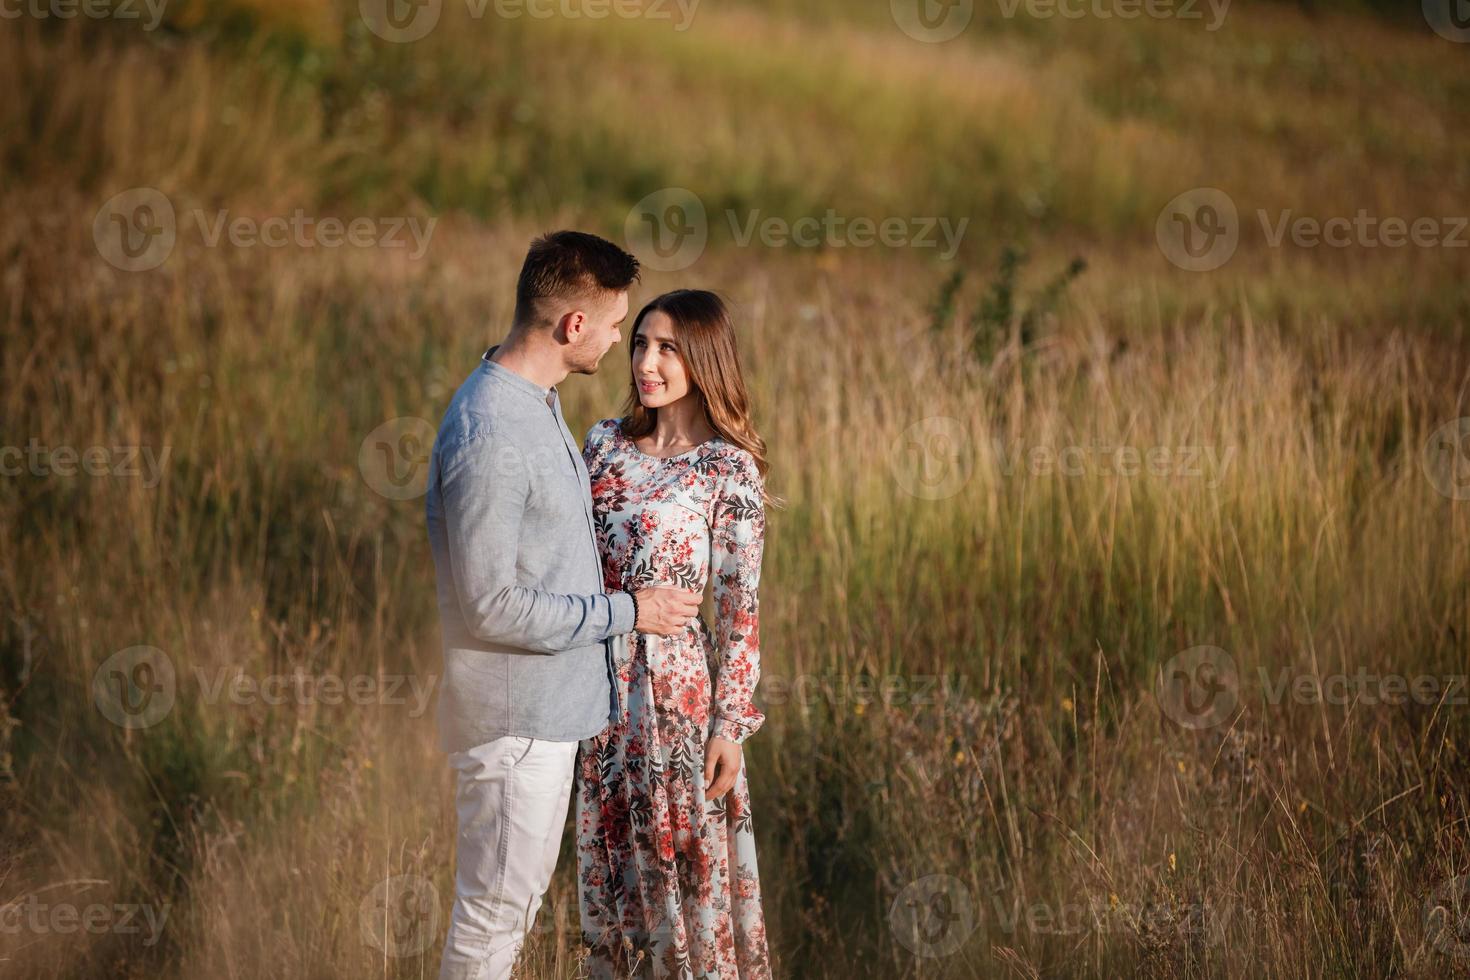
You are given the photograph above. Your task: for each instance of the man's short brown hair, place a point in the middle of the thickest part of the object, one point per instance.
(568, 266)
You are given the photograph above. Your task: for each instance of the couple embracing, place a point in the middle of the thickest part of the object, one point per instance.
(569, 586)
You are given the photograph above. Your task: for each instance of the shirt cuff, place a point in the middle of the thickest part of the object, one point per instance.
(623, 616)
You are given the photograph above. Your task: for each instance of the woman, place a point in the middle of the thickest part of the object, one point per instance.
(666, 852)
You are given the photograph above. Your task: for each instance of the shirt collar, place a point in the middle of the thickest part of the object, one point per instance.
(516, 381)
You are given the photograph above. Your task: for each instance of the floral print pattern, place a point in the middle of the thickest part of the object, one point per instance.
(668, 880)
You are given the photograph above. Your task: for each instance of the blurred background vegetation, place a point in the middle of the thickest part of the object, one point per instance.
(1310, 840)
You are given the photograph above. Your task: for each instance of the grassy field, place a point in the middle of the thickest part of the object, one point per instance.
(1009, 511)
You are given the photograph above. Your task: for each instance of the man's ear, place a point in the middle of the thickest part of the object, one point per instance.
(572, 324)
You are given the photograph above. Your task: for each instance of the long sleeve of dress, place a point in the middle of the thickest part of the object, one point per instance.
(737, 538)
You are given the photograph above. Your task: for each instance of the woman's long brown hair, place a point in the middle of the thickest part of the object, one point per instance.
(706, 338)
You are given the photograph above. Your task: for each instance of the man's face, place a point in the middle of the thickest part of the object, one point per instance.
(601, 329)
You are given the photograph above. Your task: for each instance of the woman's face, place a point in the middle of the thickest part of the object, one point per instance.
(658, 365)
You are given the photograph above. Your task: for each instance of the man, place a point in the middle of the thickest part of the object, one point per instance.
(521, 600)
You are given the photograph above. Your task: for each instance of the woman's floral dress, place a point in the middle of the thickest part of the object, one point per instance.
(668, 879)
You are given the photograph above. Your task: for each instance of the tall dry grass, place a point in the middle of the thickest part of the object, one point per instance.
(1016, 614)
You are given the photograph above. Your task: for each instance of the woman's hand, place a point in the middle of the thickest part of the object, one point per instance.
(721, 766)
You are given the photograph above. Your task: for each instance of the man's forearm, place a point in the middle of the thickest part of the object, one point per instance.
(548, 622)
(484, 502)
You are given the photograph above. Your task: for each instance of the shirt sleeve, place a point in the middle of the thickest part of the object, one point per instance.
(737, 539)
(485, 485)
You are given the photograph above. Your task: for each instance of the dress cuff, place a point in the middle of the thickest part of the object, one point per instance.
(731, 731)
